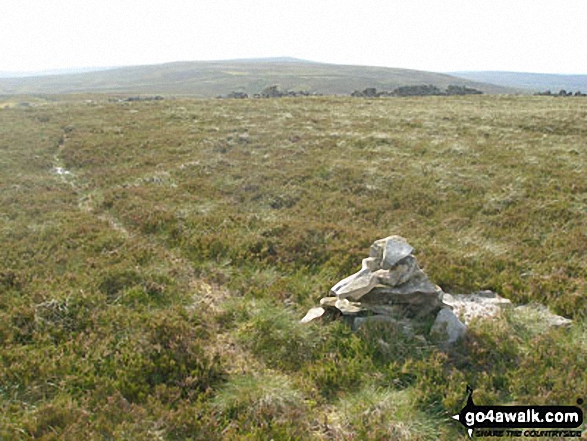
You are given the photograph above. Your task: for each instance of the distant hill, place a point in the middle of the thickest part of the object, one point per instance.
(535, 82)
(213, 78)
(74, 70)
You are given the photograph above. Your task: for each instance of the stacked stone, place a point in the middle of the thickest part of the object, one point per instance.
(391, 287)
(389, 284)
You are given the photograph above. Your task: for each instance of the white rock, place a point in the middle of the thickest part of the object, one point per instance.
(342, 305)
(348, 308)
(328, 301)
(483, 304)
(313, 314)
(447, 327)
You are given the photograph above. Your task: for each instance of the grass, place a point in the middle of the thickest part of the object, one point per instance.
(377, 413)
(155, 291)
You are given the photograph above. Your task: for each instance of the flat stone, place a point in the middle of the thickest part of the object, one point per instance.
(356, 285)
(418, 283)
(416, 297)
(483, 304)
(313, 314)
(348, 308)
(328, 301)
(447, 327)
(341, 305)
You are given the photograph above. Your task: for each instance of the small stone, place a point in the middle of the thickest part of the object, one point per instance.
(313, 314)
(348, 308)
(447, 327)
(328, 302)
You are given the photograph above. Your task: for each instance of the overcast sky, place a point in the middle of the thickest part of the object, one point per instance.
(434, 35)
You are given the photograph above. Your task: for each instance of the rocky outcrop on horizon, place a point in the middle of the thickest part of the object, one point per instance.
(275, 92)
(562, 92)
(419, 90)
(137, 98)
(270, 92)
(237, 95)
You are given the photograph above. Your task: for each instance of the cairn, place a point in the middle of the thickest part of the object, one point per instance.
(391, 287)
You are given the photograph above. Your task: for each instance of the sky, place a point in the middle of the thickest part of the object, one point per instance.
(547, 36)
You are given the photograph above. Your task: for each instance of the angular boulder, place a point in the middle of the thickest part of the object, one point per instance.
(389, 251)
(447, 328)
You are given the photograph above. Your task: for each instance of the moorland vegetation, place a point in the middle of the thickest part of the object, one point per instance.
(156, 257)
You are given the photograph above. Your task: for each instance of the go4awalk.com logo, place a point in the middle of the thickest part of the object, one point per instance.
(520, 421)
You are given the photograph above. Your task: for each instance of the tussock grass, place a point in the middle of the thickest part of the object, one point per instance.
(261, 406)
(376, 413)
